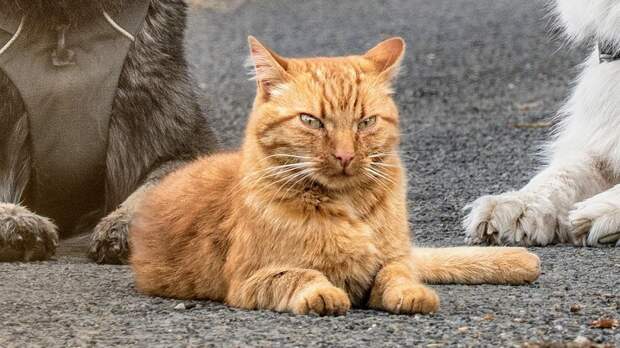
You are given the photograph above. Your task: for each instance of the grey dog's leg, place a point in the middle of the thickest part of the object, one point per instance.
(109, 243)
(24, 235)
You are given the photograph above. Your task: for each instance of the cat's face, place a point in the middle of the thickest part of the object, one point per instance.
(331, 118)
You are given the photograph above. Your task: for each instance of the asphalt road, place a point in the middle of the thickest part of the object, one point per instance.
(475, 73)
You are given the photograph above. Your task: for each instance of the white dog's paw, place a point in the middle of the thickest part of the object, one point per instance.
(512, 218)
(596, 222)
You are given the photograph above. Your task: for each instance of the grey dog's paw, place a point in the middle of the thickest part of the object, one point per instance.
(24, 235)
(109, 240)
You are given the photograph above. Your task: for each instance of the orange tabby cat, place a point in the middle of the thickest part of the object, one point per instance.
(310, 215)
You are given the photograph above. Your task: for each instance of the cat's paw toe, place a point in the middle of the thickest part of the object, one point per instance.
(512, 218)
(109, 242)
(25, 236)
(410, 299)
(595, 223)
(321, 300)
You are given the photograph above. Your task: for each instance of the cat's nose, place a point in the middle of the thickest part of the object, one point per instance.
(344, 158)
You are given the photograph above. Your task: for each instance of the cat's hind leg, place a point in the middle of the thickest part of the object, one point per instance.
(596, 221)
(538, 213)
(397, 290)
(282, 289)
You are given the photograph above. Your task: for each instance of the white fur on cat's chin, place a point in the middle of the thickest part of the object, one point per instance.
(584, 20)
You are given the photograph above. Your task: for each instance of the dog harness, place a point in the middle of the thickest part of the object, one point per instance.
(68, 78)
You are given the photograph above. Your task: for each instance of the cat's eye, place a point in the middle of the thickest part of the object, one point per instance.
(367, 123)
(311, 121)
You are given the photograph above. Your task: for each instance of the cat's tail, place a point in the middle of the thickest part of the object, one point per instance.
(476, 265)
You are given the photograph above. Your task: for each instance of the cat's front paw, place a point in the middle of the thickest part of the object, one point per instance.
(596, 222)
(410, 299)
(321, 300)
(109, 242)
(25, 236)
(512, 218)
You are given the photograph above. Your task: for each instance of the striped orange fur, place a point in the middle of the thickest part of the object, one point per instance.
(310, 215)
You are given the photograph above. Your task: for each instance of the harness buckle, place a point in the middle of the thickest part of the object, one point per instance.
(62, 56)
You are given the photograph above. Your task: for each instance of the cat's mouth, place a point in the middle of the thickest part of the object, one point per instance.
(342, 178)
(346, 172)
(339, 172)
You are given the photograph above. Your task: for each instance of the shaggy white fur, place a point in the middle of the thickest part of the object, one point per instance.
(576, 197)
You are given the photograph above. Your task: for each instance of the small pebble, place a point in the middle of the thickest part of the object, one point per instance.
(488, 317)
(180, 306)
(575, 308)
(582, 341)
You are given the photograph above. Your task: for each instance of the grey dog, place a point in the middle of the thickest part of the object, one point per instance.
(96, 105)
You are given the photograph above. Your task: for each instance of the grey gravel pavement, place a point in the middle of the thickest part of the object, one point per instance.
(480, 76)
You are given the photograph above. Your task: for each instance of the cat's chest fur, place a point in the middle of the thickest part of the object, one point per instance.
(347, 254)
(326, 234)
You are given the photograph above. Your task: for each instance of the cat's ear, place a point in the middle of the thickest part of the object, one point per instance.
(387, 56)
(269, 68)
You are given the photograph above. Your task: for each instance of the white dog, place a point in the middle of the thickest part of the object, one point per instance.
(576, 197)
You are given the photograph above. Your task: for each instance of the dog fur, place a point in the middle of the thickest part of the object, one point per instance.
(576, 197)
(156, 125)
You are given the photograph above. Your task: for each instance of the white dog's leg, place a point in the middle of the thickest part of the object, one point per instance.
(537, 214)
(584, 157)
(584, 160)
(596, 221)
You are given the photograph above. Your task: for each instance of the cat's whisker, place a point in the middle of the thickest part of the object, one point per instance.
(393, 153)
(252, 176)
(382, 155)
(297, 175)
(287, 178)
(378, 155)
(257, 176)
(412, 132)
(376, 181)
(298, 181)
(273, 173)
(382, 164)
(278, 169)
(382, 175)
(290, 178)
(285, 155)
